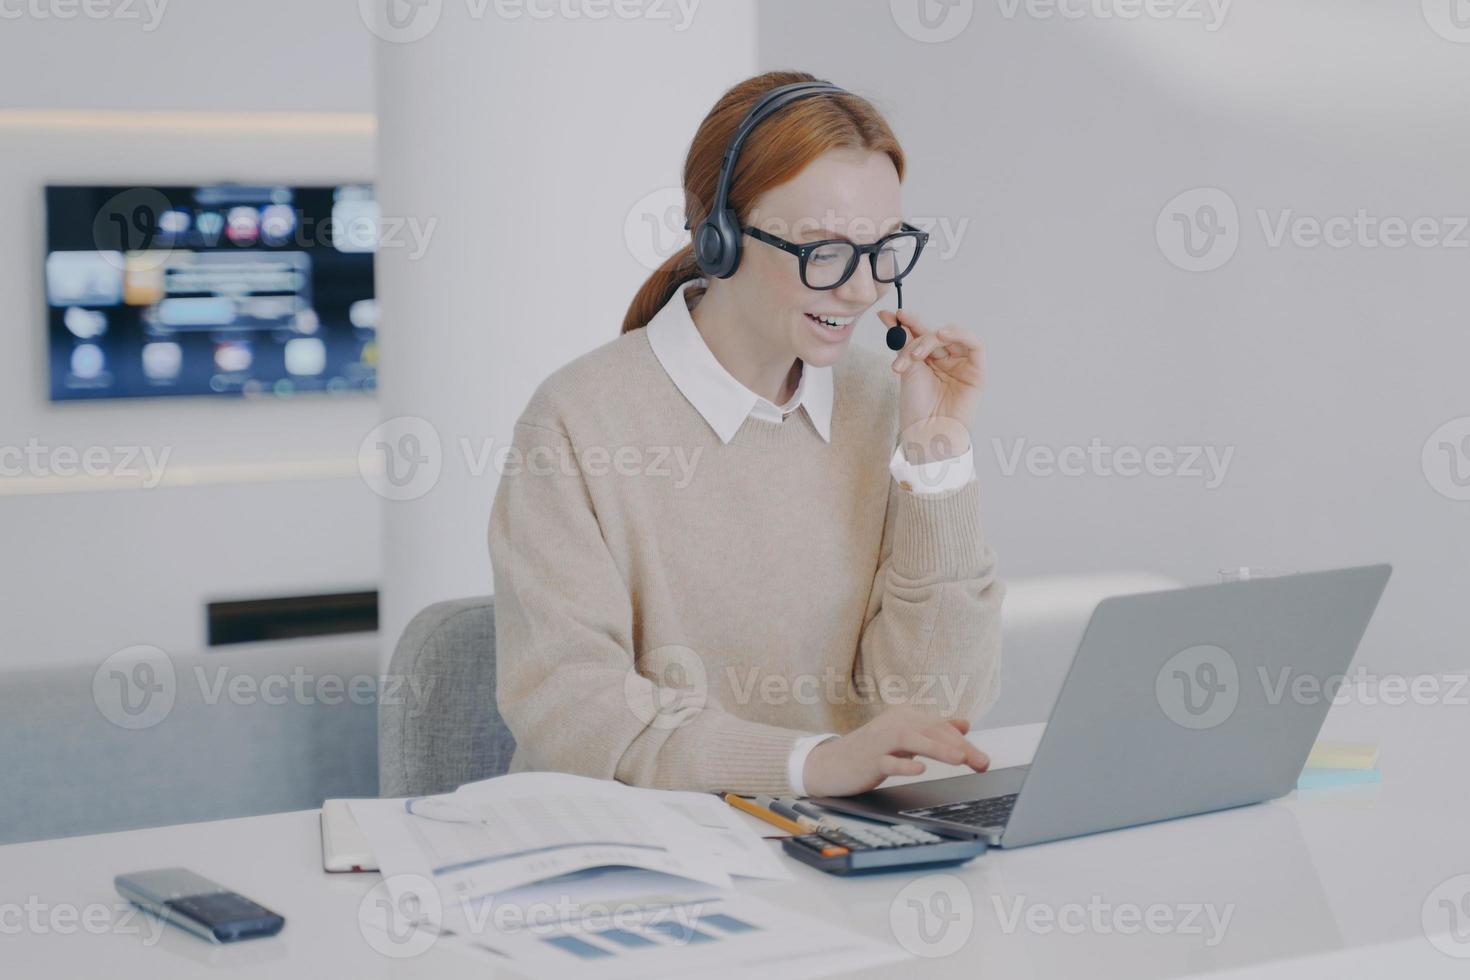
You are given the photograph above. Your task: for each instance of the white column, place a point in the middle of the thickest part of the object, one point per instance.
(517, 143)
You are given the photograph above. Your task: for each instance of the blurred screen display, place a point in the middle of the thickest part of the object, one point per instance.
(222, 289)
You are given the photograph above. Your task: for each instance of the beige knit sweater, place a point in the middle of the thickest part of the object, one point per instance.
(676, 612)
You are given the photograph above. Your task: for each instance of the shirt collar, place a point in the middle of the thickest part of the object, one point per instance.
(714, 392)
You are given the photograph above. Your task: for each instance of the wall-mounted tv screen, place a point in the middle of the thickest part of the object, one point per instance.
(223, 289)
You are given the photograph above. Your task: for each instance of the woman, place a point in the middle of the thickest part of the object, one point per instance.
(698, 589)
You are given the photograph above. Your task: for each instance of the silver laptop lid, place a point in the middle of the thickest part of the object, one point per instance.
(1193, 700)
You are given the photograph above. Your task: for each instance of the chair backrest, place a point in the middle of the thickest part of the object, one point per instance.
(441, 727)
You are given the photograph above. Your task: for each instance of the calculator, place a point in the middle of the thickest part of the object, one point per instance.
(879, 847)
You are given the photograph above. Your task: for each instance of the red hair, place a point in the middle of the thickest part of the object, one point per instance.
(775, 152)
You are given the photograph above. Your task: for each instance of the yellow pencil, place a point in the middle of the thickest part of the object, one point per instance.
(769, 816)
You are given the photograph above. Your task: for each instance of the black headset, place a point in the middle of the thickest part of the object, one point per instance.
(718, 239)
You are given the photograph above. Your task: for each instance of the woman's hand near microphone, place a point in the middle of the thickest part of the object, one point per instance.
(942, 373)
(889, 745)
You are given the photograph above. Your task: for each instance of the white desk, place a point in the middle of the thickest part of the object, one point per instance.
(1331, 883)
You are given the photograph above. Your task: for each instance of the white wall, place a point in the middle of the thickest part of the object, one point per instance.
(1326, 369)
(87, 573)
(533, 144)
(197, 54)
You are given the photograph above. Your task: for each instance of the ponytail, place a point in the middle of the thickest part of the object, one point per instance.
(677, 269)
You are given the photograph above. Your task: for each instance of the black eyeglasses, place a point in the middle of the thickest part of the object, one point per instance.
(830, 263)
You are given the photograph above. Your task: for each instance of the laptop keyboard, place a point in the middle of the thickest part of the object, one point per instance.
(991, 812)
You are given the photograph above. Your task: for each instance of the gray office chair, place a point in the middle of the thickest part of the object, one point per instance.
(442, 729)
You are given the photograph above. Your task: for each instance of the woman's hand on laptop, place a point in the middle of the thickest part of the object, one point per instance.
(889, 745)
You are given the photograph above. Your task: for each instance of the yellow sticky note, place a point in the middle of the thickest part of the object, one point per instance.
(1327, 754)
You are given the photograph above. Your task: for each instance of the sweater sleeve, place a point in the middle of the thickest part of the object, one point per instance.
(570, 685)
(931, 636)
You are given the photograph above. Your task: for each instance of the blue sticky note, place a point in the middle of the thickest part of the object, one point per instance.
(1324, 778)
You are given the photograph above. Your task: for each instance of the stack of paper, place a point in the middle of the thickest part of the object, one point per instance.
(546, 873)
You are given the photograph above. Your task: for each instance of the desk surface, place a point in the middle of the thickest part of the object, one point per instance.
(1364, 881)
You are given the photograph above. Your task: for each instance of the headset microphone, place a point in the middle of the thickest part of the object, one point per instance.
(897, 335)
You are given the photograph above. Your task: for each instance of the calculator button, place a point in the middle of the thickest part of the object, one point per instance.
(832, 850)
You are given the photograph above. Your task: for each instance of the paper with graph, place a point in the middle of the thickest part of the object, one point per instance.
(550, 874)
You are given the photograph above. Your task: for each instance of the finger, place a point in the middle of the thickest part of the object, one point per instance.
(916, 743)
(952, 732)
(972, 756)
(890, 765)
(958, 337)
(947, 734)
(916, 353)
(966, 346)
(910, 320)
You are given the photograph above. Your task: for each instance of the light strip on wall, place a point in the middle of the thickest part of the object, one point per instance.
(196, 475)
(169, 121)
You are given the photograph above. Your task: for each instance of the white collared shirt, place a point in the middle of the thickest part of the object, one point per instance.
(725, 403)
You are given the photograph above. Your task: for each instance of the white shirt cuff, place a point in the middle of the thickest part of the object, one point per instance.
(936, 476)
(796, 764)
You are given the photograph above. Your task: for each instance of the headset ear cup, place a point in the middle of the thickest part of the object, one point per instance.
(709, 250)
(729, 231)
(717, 244)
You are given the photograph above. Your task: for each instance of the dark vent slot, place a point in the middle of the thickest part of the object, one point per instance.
(255, 620)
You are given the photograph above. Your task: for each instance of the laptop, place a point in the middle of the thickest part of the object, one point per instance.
(1177, 703)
